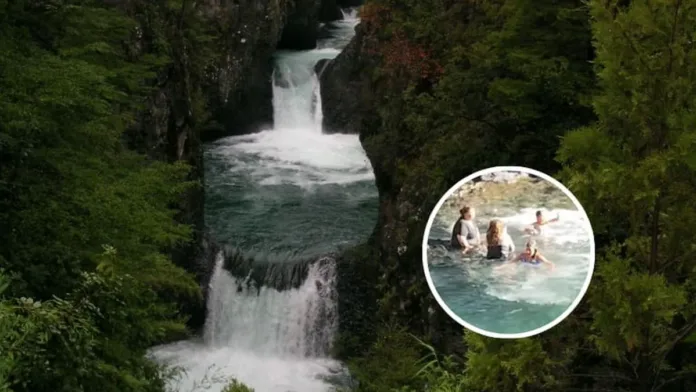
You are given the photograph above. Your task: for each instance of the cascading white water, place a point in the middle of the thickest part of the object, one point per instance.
(296, 94)
(292, 323)
(279, 341)
(274, 341)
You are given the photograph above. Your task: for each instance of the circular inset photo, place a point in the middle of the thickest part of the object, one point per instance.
(508, 252)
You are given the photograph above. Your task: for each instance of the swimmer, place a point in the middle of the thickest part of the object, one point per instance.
(540, 221)
(530, 256)
(500, 245)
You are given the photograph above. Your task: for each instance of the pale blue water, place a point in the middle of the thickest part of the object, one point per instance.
(524, 297)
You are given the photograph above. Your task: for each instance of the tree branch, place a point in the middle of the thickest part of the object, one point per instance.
(668, 347)
(654, 233)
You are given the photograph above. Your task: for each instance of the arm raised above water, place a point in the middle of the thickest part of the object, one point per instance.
(545, 261)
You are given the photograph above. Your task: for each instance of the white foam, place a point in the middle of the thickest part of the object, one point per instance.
(263, 373)
(298, 156)
(275, 341)
(296, 151)
(350, 14)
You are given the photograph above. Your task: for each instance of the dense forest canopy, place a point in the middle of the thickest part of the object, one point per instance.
(598, 93)
(86, 223)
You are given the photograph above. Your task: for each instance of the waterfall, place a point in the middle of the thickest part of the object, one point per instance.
(297, 322)
(271, 320)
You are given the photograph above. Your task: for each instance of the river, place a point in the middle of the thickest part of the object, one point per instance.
(283, 199)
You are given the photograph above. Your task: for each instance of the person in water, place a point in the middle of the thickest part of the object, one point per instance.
(499, 243)
(465, 234)
(530, 256)
(536, 228)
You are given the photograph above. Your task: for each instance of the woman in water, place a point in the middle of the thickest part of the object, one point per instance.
(530, 256)
(500, 245)
(465, 234)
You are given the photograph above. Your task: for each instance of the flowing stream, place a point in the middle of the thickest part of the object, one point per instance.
(282, 200)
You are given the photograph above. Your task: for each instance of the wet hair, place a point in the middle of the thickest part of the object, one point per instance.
(532, 246)
(494, 235)
(464, 210)
(538, 213)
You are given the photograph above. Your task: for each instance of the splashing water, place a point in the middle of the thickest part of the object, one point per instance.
(521, 297)
(272, 340)
(289, 190)
(291, 323)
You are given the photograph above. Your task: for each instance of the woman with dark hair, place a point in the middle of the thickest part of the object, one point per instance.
(465, 234)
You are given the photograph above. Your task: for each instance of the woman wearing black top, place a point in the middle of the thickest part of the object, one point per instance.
(500, 245)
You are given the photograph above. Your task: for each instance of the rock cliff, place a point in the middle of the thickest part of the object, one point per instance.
(345, 93)
(351, 103)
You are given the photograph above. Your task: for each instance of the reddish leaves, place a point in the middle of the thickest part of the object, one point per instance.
(374, 16)
(401, 55)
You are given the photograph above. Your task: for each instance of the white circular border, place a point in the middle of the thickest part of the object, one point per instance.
(558, 319)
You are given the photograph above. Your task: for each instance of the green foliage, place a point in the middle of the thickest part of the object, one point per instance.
(633, 171)
(391, 362)
(74, 188)
(96, 339)
(236, 386)
(517, 80)
(86, 223)
(516, 77)
(439, 374)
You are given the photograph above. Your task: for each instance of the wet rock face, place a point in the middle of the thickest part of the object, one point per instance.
(345, 93)
(350, 101)
(240, 87)
(330, 11)
(301, 29)
(491, 197)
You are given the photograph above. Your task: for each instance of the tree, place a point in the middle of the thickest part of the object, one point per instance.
(634, 172)
(85, 224)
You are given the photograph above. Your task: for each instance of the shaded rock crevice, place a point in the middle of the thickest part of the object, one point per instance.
(302, 27)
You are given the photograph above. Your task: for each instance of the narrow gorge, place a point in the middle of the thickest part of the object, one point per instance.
(282, 203)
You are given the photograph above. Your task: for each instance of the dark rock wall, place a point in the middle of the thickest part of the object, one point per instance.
(345, 93)
(349, 3)
(301, 28)
(351, 100)
(330, 11)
